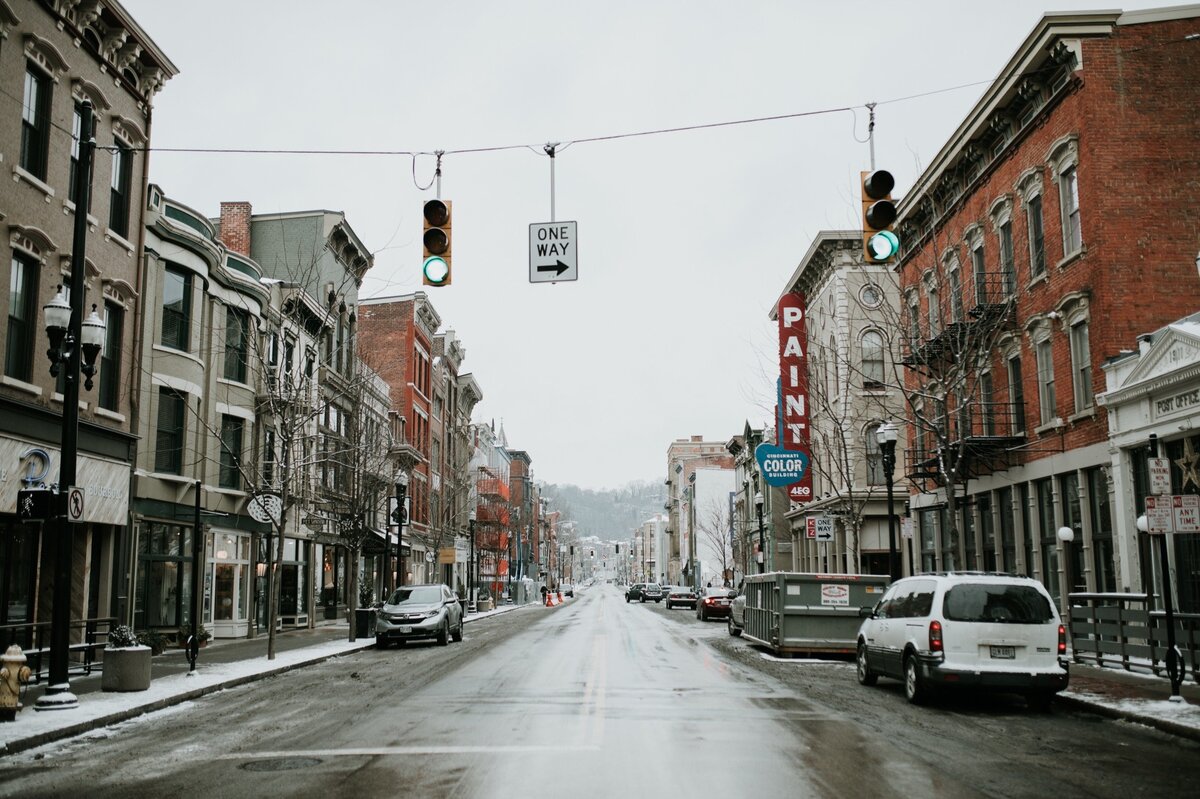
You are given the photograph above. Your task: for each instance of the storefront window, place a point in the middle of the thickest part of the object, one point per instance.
(968, 529)
(949, 541)
(1048, 537)
(1008, 542)
(1072, 517)
(1027, 530)
(928, 537)
(1102, 532)
(18, 553)
(161, 590)
(987, 526)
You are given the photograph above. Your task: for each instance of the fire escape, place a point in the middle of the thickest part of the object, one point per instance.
(981, 435)
(492, 523)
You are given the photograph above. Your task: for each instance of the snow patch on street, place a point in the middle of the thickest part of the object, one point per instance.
(1184, 713)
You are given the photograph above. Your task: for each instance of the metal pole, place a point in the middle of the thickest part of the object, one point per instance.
(1174, 656)
(197, 604)
(889, 466)
(762, 550)
(473, 577)
(550, 150)
(58, 694)
(401, 493)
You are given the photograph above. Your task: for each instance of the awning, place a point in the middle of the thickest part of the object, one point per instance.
(373, 544)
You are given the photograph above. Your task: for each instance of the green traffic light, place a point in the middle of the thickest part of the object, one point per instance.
(883, 246)
(436, 270)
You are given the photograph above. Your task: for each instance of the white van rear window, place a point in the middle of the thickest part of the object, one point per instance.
(1001, 604)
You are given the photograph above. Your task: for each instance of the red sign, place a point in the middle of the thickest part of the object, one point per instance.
(793, 386)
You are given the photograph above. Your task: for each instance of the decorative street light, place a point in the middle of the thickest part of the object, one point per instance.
(473, 578)
(762, 556)
(75, 344)
(401, 512)
(1067, 535)
(886, 435)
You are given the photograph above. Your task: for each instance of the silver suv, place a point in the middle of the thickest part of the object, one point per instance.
(977, 631)
(414, 612)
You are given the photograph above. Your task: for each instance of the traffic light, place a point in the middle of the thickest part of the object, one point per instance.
(618, 549)
(435, 270)
(879, 212)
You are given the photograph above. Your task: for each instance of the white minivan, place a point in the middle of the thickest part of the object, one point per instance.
(976, 631)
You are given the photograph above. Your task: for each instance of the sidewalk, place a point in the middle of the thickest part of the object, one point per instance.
(222, 664)
(1132, 696)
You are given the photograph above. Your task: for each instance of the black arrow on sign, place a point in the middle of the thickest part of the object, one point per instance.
(557, 268)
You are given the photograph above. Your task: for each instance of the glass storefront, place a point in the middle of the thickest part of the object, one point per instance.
(161, 589)
(227, 599)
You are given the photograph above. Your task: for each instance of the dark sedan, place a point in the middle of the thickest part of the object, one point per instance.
(713, 602)
(680, 596)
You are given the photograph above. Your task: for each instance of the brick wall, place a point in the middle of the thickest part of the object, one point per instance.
(235, 226)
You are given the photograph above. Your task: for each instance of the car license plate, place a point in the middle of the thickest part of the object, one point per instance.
(407, 630)
(1004, 652)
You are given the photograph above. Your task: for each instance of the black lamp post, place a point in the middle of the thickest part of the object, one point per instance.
(762, 552)
(76, 344)
(401, 513)
(886, 436)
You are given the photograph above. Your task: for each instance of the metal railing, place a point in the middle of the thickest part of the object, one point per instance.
(87, 636)
(1120, 629)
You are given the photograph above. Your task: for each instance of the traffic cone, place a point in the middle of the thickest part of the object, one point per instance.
(549, 603)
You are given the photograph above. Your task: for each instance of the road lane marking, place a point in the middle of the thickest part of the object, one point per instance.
(389, 751)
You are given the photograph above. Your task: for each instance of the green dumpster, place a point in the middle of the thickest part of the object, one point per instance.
(798, 613)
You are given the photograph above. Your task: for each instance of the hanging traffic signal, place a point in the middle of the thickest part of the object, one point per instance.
(879, 212)
(618, 549)
(435, 270)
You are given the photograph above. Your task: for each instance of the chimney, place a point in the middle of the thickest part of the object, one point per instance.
(235, 227)
(697, 439)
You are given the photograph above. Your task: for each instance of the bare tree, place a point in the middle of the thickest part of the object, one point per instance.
(712, 522)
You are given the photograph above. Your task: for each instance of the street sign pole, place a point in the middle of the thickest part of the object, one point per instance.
(1174, 656)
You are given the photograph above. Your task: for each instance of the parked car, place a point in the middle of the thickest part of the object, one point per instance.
(737, 613)
(970, 631)
(681, 596)
(652, 591)
(634, 592)
(714, 601)
(567, 589)
(415, 612)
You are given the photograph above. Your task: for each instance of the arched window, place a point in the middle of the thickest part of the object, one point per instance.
(872, 359)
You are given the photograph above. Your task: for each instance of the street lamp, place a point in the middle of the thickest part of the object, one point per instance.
(75, 344)
(401, 512)
(474, 577)
(886, 435)
(758, 508)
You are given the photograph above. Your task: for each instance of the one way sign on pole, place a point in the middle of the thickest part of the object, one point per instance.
(553, 252)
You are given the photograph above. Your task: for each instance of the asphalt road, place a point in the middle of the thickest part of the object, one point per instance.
(600, 698)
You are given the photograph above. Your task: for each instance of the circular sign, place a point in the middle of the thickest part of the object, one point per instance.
(266, 508)
(429, 557)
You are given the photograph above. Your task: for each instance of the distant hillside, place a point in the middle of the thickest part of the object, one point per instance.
(611, 515)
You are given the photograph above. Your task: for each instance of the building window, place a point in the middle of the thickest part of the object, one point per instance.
(1068, 195)
(949, 541)
(874, 457)
(22, 317)
(35, 122)
(110, 359)
(935, 313)
(1081, 366)
(1007, 268)
(237, 344)
(1037, 237)
(1016, 393)
(1102, 532)
(980, 270)
(1008, 539)
(73, 178)
(119, 195)
(987, 401)
(1045, 368)
(231, 451)
(176, 308)
(872, 359)
(956, 294)
(914, 318)
(928, 541)
(168, 449)
(1049, 537)
(268, 469)
(1073, 518)
(987, 526)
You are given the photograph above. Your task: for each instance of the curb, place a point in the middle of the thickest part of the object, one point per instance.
(1163, 725)
(51, 736)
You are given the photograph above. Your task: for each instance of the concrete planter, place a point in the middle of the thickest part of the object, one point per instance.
(126, 669)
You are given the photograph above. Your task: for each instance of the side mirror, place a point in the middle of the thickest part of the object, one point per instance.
(866, 613)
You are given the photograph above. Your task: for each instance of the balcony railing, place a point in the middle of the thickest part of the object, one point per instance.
(493, 487)
(492, 514)
(981, 438)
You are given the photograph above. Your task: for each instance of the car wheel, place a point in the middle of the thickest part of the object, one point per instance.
(700, 614)
(865, 675)
(734, 630)
(626, 600)
(458, 632)
(657, 601)
(381, 642)
(643, 600)
(915, 689)
(443, 636)
(1039, 701)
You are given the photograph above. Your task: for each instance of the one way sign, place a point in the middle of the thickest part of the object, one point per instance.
(553, 252)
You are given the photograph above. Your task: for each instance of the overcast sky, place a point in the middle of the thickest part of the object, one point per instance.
(685, 239)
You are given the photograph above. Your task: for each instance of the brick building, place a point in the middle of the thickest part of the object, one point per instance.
(1057, 223)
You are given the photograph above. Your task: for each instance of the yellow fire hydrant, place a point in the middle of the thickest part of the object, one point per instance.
(13, 672)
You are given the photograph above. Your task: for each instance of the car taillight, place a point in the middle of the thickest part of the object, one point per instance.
(935, 636)
(708, 600)
(1062, 639)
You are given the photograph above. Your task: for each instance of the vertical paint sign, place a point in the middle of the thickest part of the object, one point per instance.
(793, 375)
